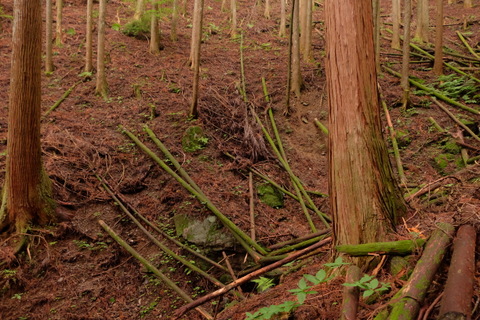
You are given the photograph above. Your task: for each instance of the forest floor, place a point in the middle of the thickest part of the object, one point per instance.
(75, 270)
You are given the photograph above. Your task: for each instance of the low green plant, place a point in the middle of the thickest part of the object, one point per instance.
(303, 289)
(455, 87)
(263, 283)
(370, 285)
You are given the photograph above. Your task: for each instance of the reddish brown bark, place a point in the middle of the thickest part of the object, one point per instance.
(363, 194)
(24, 177)
(459, 288)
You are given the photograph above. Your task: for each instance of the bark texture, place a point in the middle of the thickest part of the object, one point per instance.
(461, 275)
(101, 85)
(396, 17)
(438, 65)
(364, 196)
(421, 32)
(48, 37)
(154, 32)
(26, 184)
(58, 23)
(88, 38)
(195, 53)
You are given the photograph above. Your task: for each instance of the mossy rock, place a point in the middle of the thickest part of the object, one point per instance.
(139, 29)
(194, 139)
(270, 195)
(206, 233)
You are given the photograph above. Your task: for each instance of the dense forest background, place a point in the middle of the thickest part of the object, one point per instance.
(75, 270)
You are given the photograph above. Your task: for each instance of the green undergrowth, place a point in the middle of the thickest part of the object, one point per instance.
(454, 87)
(368, 284)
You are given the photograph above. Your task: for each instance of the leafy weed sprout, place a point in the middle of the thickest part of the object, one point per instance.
(369, 285)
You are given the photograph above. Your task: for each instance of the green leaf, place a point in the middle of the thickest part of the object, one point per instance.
(301, 297)
(373, 284)
(321, 274)
(312, 279)
(302, 284)
(368, 293)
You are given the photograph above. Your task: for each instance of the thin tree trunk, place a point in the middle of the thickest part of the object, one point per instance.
(58, 24)
(88, 38)
(297, 82)
(376, 32)
(101, 87)
(27, 186)
(48, 37)
(467, 3)
(196, 44)
(365, 199)
(283, 19)
(306, 28)
(173, 30)
(154, 33)
(139, 10)
(421, 33)
(266, 13)
(396, 17)
(438, 64)
(406, 53)
(233, 9)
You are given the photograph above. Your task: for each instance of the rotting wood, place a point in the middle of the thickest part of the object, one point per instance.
(152, 269)
(402, 247)
(413, 293)
(181, 311)
(351, 294)
(461, 275)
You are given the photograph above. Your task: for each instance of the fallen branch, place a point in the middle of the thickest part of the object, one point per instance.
(243, 238)
(452, 116)
(163, 247)
(461, 276)
(152, 269)
(435, 93)
(464, 41)
(181, 311)
(62, 98)
(413, 293)
(402, 247)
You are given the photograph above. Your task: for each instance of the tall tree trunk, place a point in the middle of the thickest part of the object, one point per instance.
(139, 9)
(406, 53)
(88, 38)
(27, 187)
(376, 32)
(467, 3)
(297, 82)
(438, 64)
(173, 30)
(196, 44)
(233, 27)
(101, 85)
(421, 32)
(154, 32)
(58, 24)
(364, 196)
(266, 13)
(396, 17)
(283, 18)
(306, 29)
(48, 37)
